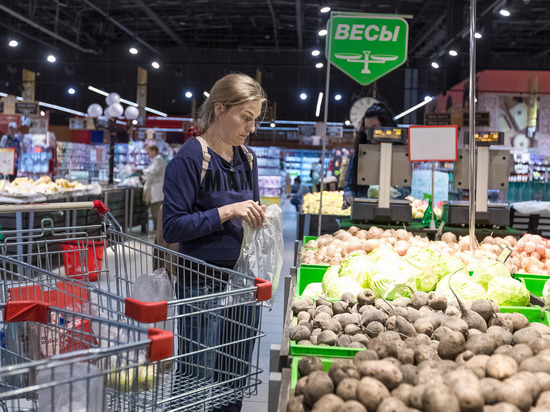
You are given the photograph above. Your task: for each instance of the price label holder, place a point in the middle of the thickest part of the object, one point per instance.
(486, 138)
(388, 134)
(7, 161)
(504, 255)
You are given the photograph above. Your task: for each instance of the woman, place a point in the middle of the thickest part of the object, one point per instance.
(376, 115)
(210, 187)
(154, 181)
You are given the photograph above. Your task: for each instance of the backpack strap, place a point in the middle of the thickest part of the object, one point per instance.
(205, 156)
(249, 156)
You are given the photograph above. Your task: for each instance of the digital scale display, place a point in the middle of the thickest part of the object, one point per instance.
(388, 134)
(486, 138)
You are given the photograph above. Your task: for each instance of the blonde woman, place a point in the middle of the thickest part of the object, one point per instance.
(210, 187)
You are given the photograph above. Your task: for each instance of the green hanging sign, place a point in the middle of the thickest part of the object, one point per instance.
(367, 48)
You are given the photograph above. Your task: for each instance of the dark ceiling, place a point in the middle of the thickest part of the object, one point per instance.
(198, 41)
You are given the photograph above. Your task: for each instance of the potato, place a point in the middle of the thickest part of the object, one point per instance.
(346, 319)
(478, 365)
(520, 352)
(466, 388)
(341, 369)
(318, 384)
(299, 388)
(305, 342)
(543, 329)
(392, 405)
(303, 316)
(481, 344)
(526, 335)
(517, 393)
(324, 309)
(413, 315)
(490, 389)
(464, 357)
(296, 404)
(419, 299)
(323, 302)
(351, 406)
(360, 338)
(452, 311)
(519, 321)
(371, 314)
(373, 329)
(302, 304)
(400, 325)
(349, 298)
(501, 367)
(352, 329)
(483, 308)
(531, 380)
(501, 320)
(415, 398)
(327, 337)
(327, 403)
(501, 407)
(402, 302)
(544, 399)
(371, 392)
(437, 301)
(319, 319)
(439, 332)
(500, 335)
(456, 324)
(306, 323)
(346, 389)
(388, 336)
(539, 345)
(364, 356)
(403, 392)
(366, 297)
(340, 307)
(543, 380)
(414, 341)
(423, 353)
(387, 373)
(299, 332)
(410, 374)
(474, 320)
(405, 355)
(535, 364)
(433, 371)
(437, 398)
(424, 326)
(451, 345)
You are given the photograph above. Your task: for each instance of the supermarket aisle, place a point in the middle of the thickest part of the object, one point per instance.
(272, 321)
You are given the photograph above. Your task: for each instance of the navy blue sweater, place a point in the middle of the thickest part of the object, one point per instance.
(190, 210)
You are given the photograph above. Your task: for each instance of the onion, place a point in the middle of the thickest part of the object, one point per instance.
(391, 240)
(448, 237)
(343, 235)
(401, 247)
(402, 234)
(362, 234)
(489, 240)
(464, 243)
(388, 233)
(312, 244)
(353, 230)
(511, 239)
(372, 244)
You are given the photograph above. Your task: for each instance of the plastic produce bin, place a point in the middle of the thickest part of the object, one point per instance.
(83, 259)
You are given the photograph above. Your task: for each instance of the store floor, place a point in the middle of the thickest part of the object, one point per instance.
(272, 321)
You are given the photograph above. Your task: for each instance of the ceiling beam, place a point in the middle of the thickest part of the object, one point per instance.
(275, 29)
(154, 16)
(47, 31)
(120, 26)
(299, 24)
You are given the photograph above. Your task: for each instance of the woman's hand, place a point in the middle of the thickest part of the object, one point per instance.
(249, 211)
(348, 200)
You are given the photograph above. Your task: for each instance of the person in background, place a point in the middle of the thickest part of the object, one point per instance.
(343, 169)
(210, 188)
(298, 192)
(315, 174)
(12, 140)
(376, 115)
(154, 182)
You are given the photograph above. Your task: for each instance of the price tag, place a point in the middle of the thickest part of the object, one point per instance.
(7, 161)
(504, 255)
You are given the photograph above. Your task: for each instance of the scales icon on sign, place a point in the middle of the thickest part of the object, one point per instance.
(366, 58)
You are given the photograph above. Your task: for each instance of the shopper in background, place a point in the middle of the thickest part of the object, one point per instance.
(208, 191)
(12, 140)
(298, 192)
(154, 182)
(315, 174)
(343, 169)
(376, 115)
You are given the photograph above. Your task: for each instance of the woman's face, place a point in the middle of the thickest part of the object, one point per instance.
(372, 122)
(236, 123)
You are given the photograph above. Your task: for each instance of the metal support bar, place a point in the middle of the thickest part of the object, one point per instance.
(385, 175)
(275, 26)
(299, 25)
(482, 178)
(472, 114)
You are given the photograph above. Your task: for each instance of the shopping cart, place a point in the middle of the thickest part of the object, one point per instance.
(215, 316)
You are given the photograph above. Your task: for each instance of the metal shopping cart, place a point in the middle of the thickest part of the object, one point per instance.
(215, 315)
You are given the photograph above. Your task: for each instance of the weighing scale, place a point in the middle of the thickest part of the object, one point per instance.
(384, 165)
(493, 169)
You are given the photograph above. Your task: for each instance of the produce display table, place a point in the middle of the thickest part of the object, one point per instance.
(306, 224)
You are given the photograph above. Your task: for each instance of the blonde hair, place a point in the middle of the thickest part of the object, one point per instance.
(231, 90)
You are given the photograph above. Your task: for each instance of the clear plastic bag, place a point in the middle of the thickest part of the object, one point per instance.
(546, 295)
(262, 251)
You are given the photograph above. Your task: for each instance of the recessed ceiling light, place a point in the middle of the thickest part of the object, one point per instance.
(478, 35)
(453, 53)
(504, 12)
(42, 113)
(272, 124)
(428, 98)
(435, 65)
(319, 65)
(13, 43)
(206, 94)
(133, 50)
(322, 32)
(315, 53)
(303, 96)
(71, 90)
(338, 97)
(155, 65)
(51, 58)
(325, 9)
(188, 94)
(134, 122)
(347, 122)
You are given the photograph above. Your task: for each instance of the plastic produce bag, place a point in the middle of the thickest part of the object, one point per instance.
(154, 287)
(546, 295)
(75, 395)
(262, 251)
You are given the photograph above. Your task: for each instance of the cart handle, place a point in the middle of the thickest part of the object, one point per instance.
(50, 207)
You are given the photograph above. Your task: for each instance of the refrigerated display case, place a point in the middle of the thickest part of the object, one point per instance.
(269, 174)
(298, 162)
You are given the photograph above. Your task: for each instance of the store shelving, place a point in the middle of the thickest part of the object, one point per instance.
(269, 171)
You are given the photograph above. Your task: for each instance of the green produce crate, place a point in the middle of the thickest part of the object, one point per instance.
(307, 239)
(519, 276)
(322, 351)
(306, 275)
(295, 375)
(535, 286)
(532, 313)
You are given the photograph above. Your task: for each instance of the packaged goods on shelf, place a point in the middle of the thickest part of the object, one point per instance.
(332, 203)
(269, 171)
(82, 162)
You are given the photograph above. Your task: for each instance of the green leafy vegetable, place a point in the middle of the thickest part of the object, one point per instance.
(508, 292)
(358, 267)
(330, 275)
(463, 285)
(486, 270)
(314, 290)
(341, 285)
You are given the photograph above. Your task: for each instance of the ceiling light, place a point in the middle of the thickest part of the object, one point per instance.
(13, 43)
(319, 65)
(155, 65)
(338, 97)
(412, 109)
(435, 65)
(206, 94)
(71, 90)
(133, 50)
(319, 101)
(322, 32)
(478, 35)
(42, 113)
(303, 96)
(504, 12)
(428, 98)
(51, 58)
(147, 109)
(347, 122)
(453, 53)
(315, 53)
(272, 124)
(325, 9)
(134, 122)
(188, 94)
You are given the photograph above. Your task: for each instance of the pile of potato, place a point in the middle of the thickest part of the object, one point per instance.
(423, 354)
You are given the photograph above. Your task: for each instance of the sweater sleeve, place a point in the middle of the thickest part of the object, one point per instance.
(181, 188)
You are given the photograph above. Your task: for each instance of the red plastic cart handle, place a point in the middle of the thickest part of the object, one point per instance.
(26, 311)
(264, 289)
(162, 344)
(146, 312)
(100, 207)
